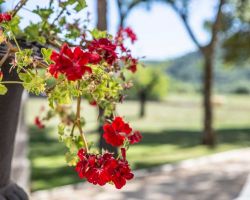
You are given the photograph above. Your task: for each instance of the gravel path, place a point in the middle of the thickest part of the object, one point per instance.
(217, 177)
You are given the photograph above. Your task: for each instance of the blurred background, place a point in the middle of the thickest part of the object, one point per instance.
(192, 89)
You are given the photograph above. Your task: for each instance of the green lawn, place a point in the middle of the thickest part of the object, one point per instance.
(171, 132)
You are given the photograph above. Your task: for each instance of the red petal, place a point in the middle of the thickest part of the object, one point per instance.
(67, 51)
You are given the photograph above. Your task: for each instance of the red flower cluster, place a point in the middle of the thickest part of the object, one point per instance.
(74, 63)
(118, 131)
(133, 65)
(101, 169)
(105, 48)
(132, 62)
(5, 17)
(71, 63)
(93, 103)
(135, 137)
(126, 32)
(122, 34)
(39, 123)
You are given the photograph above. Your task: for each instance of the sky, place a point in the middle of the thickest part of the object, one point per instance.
(161, 34)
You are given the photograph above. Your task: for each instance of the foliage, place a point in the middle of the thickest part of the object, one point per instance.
(92, 69)
(236, 40)
(185, 74)
(3, 89)
(152, 80)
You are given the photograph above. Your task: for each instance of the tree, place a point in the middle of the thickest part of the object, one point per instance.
(208, 52)
(149, 83)
(102, 25)
(236, 48)
(102, 15)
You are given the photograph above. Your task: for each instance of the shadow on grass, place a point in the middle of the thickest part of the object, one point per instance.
(189, 138)
(237, 138)
(40, 135)
(42, 145)
(45, 178)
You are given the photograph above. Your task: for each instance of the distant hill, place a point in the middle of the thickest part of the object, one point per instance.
(187, 69)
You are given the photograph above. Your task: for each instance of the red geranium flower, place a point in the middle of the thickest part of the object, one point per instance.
(105, 48)
(135, 137)
(132, 62)
(101, 169)
(82, 165)
(116, 132)
(5, 17)
(121, 174)
(121, 171)
(97, 174)
(93, 167)
(94, 58)
(93, 103)
(133, 65)
(126, 32)
(71, 63)
(39, 123)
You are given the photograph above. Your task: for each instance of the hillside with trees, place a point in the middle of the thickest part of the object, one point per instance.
(186, 74)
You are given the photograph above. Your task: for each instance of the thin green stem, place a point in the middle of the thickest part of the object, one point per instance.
(11, 82)
(14, 38)
(78, 120)
(73, 128)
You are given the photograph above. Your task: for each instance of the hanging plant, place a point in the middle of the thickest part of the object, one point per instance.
(75, 64)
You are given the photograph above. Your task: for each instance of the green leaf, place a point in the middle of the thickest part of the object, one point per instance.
(46, 55)
(43, 12)
(98, 34)
(71, 144)
(69, 2)
(78, 5)
(51, 101)
(32, 33)
(24, 77)
(61, 94)
(13, 25)
(62, 21)
(34, 84)
(61, 128)
(3, 89)
(73, 33)
(71, 159)
(81, 5)
(23, 58)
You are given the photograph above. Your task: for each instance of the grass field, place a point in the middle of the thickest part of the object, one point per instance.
(171, 132)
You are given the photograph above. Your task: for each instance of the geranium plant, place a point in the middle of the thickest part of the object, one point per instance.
(75, 63)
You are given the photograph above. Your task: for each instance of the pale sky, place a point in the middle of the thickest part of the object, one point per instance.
(160, 32)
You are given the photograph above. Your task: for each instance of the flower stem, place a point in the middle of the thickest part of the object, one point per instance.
(14, 38)
(11, 82)
(78, 121)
